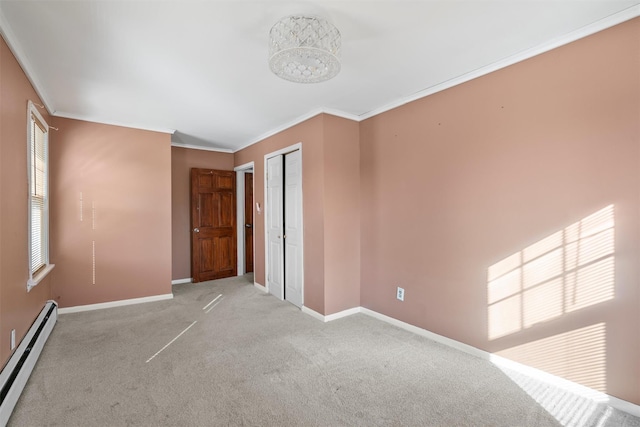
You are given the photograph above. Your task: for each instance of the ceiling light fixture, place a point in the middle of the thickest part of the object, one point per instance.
(304, 49)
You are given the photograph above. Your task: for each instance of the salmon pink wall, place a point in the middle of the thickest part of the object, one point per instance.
(458, 181)
(182, 160)
(341, 214)
(110, 186)
(18, 308)
(310, 134)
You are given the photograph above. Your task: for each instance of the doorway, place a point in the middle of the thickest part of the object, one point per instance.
(248, 222)
(245, 215)
(283, 225)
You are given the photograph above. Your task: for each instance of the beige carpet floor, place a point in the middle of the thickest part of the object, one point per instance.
(248, 359)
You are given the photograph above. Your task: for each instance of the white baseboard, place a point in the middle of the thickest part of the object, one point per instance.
(341, 314)
(623, 405)
(330, 317)
(312, 313)
(181, 281)
(261, 287)
(112, 304)
(499, 361)
(427, 334)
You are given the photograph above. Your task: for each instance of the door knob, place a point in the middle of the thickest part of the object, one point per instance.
(197, 230)
(248, 225)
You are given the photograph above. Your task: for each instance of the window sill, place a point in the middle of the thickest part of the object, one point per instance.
(39, 277)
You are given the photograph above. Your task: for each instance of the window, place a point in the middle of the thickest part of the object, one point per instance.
(38, 171)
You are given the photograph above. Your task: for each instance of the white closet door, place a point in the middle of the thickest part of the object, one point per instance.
(293, 228)
(275, 227)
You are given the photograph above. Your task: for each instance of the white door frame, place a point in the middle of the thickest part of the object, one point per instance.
(294, 147)
(240, 171)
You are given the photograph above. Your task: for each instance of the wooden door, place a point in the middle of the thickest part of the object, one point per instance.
(248, 222)
(213, 224)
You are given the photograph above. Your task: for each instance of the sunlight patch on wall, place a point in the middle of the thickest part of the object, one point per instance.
(578, 356)
(564, 272)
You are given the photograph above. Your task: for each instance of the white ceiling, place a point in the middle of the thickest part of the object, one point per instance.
(200, 67)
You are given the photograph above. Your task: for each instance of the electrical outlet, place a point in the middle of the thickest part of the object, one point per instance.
(400, 294)
(13, 339)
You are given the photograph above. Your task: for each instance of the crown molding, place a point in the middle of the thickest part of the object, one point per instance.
(112, 123)
(280, 128)
(342, 114)
(297, 121)
(199, 147)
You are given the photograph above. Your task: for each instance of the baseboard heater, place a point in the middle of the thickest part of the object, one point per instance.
(16, 372)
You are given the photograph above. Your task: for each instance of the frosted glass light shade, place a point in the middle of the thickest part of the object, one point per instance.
(304, 49)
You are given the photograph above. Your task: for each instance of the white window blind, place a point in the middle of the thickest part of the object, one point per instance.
(38, 173)
(38, 195)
